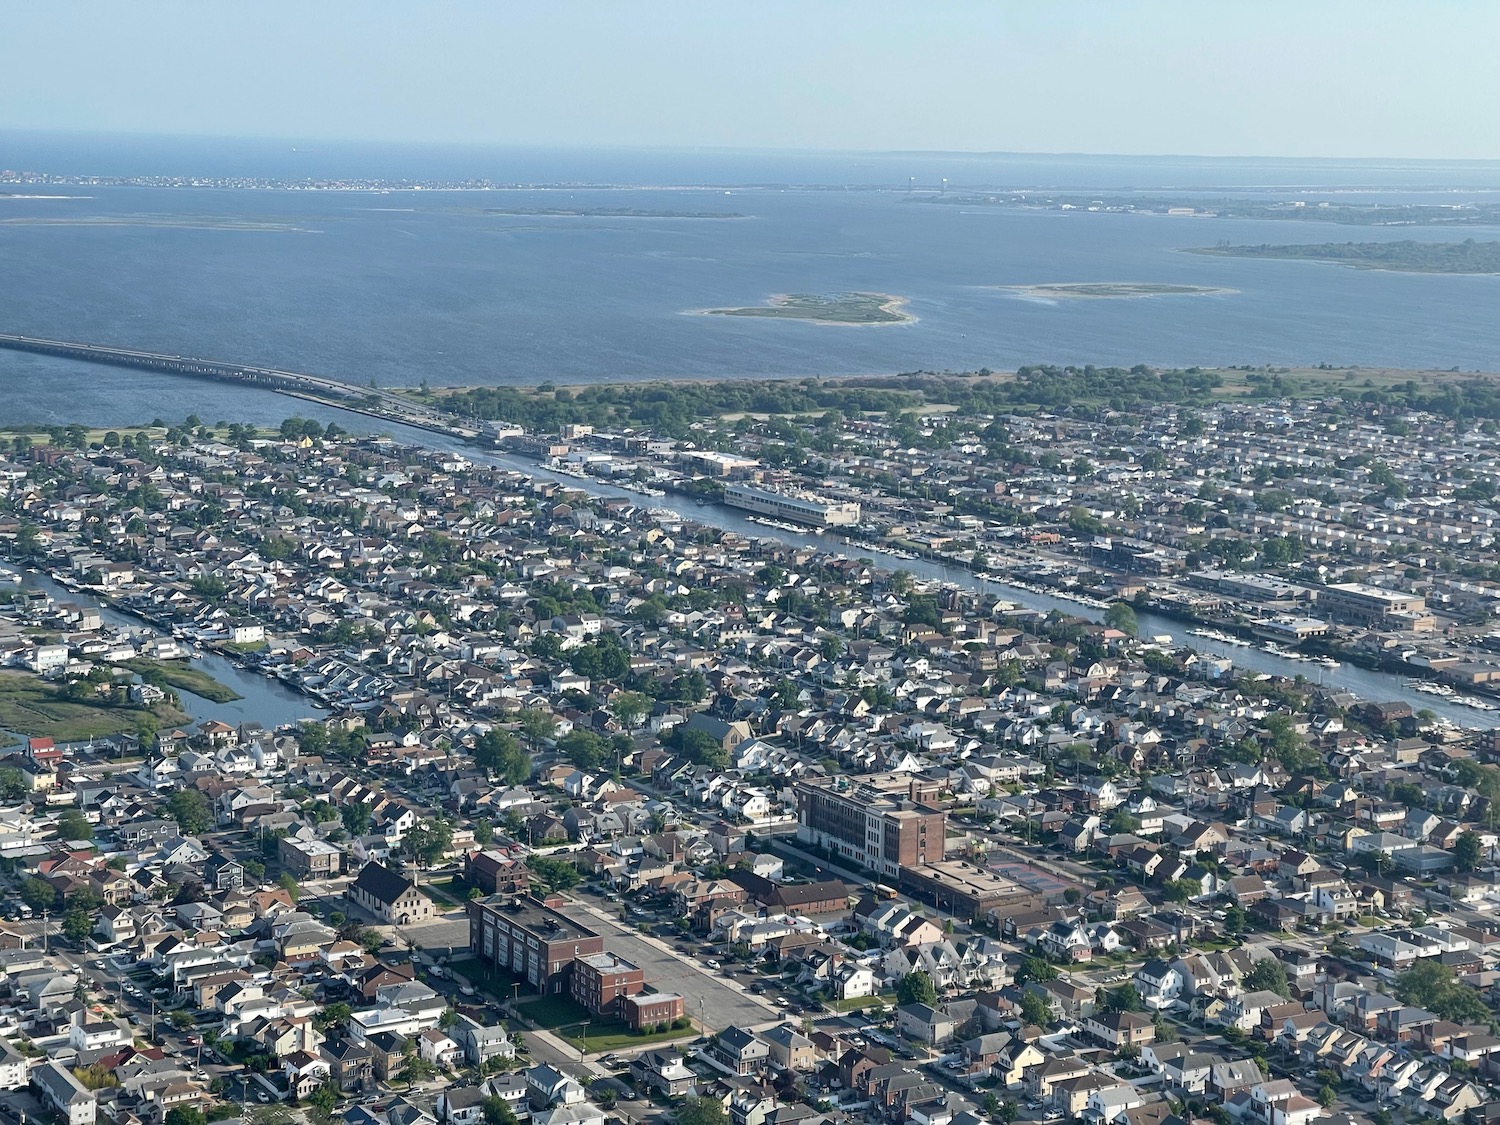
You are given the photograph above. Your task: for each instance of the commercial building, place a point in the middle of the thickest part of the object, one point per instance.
(309, 859)
(529, 938)
(1357, 603)
(795, 506)
(878, 822)
(970, 891)
(602, 980)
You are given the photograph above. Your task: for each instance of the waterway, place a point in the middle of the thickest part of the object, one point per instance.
(265, 700)
(1365, 683)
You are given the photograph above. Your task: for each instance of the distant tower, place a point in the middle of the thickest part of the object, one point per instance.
(945, 185)
(911, 183)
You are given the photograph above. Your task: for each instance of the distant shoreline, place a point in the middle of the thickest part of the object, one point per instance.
(1112, 290)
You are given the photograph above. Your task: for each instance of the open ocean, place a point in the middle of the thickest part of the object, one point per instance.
(407, 286)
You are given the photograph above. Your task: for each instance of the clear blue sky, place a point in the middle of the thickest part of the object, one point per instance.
(1211, 77)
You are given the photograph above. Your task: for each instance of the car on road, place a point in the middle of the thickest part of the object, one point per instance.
(781, 1002)
(711, 963)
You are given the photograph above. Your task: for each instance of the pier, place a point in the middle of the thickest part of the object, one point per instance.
(370, 401)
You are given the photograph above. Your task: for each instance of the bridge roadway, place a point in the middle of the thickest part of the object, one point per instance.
(332, 392)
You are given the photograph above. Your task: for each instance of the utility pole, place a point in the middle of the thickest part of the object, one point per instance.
(45, 915)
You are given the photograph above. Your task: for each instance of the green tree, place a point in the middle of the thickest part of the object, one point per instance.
(428, 841)
(1036, 968)
(185, 1115)
(1122, 617)
(630, 708)
(78, 923)
(554, 872)
(701, 1111)
(324, 1100)
(1466, 851)
(1124, 998)
(355, 817)
(1035, 1009)
(916, 988)
(497, 1111)
(414, 1069)
(1432, 985)
(536, 725)
(498, 752)
(73, 825)
(191, 810)
(289, 884)
(1268, 975)
(38, 894)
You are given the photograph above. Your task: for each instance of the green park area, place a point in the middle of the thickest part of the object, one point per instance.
(42, 709)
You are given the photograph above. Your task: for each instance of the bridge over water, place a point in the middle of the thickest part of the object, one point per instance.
(334, 392)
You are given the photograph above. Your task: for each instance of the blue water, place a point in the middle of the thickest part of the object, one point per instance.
(415, 285)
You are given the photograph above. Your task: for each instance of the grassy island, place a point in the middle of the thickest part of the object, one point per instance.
(1112, 290)
(1407, 256)
(839, 308)
(183, 677)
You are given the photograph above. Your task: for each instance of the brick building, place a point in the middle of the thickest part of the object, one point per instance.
(882, 823)
(530, 938)
(602, 980)
(647, 1009)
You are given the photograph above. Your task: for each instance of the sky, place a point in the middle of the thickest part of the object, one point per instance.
(1310, 78)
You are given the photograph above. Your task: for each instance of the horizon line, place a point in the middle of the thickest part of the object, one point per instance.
(726, 149)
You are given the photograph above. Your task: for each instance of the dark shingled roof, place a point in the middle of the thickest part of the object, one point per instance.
(381, 883)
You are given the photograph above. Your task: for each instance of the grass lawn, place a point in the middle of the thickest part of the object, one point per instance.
(39, 708)
(563, 1016)
(886, 998)
(184, 677)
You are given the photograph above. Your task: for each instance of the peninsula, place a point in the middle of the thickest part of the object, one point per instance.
(1406, 256)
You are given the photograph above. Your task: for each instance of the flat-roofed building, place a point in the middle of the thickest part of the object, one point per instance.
(881, 822)
(602, 980)
(529, 938)
(800, 507)
(1358, 603)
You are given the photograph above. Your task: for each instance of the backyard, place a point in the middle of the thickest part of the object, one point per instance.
(561, 1015)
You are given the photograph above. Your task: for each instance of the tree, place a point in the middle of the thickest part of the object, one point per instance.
(356, 818)
(1466, 851)
(1125, 998)
(429, 840)
(1234, 920)
(536, 725)
(334, 1015)
(1327, 1096)
(191, 810)
(1120, 616)
(701, 1111)
(1432, 985)
(497, 1111)
(498, 752)
(555, 872)
(289, 884)
(1268, 975)
(1035, 1009)
(630, 708)
(414, 1069)
(324, 1100)
(38, 894)
(1036, 968)
(916, 988)
(185, 1115)
(73, 825)
(78, 923)
(990, 1104)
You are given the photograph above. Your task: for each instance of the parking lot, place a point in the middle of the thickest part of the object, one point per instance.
(710, 998)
